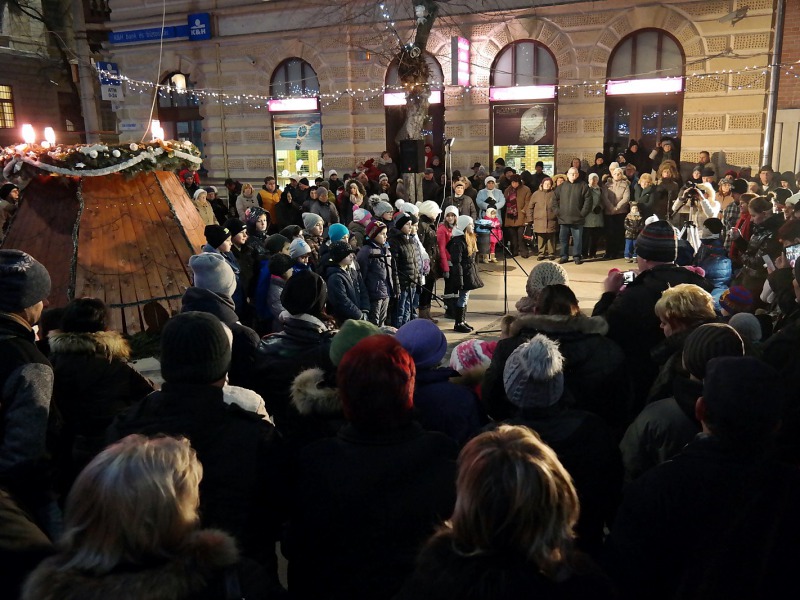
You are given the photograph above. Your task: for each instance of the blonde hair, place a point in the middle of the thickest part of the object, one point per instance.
(135, 500)
(669, 165)
(645, 177)
(472, 241)
(686, 304)
(514, 495)
(249, 186)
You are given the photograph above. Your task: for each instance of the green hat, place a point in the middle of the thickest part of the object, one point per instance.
(349, 335)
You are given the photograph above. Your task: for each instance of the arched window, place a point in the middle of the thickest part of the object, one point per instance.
(644, 90)
(394, 101)
(294, 77)
(522, 95)
(296, 121)
(179, 109)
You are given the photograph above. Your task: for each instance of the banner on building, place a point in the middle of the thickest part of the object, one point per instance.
(524, 124)
(298, 131)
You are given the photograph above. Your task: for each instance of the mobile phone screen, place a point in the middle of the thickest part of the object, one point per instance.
(792, 253)
(628, 276)
(768, 262)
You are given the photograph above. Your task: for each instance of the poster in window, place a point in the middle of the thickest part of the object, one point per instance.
(297, 131)
(524, 125)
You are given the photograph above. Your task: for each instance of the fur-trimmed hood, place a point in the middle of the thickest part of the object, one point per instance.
(311, 394)
(559, 324)
(109, 344)
(202, 559)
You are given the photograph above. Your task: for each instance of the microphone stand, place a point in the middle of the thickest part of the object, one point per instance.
(506, 254)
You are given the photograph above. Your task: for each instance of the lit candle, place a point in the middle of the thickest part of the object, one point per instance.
(50, 135)
(155, 128)
(28, 134)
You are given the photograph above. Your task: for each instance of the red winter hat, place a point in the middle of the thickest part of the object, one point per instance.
(375, 228)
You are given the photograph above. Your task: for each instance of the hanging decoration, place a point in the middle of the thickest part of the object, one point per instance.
(95, 160)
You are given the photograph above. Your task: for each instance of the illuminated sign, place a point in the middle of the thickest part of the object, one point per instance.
(525, 92)
(293, 104)
(622, 87)
(399, 98)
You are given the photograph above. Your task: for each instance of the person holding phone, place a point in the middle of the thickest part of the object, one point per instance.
(765, 224)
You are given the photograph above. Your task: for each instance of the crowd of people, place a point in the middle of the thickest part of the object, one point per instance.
(648, 450)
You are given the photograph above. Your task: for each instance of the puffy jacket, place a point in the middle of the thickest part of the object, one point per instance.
(406, 256)
(443, 235)
(379, 271)
(463, 271)
(347, 295)
(269, 201)
(464, 204)
(428, 237)
(713, 258)
(573, 202)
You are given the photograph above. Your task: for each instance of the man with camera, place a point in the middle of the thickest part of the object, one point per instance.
(631, 317)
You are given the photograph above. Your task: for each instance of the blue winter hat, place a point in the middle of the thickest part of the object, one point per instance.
(424, 341)
(337, 231)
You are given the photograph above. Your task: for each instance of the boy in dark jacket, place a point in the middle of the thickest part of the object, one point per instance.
(347, 294)
(379, 272)
(406, 255)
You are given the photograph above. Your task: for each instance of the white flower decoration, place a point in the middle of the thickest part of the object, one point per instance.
(115, 153)
(159, 151)
(79, 165)
(134, 146)
(93, 154)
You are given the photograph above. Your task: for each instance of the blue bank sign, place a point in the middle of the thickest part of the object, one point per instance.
(198, 27)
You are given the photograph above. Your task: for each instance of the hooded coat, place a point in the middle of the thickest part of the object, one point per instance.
(463, 270)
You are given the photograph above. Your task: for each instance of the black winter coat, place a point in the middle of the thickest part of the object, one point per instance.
(347, 294)
(245, 340)
(406, 256)
(288, 213)
(447, 407)
(573, 202)
(242, 476)
(693, 527)
(442, 573)
(594, 369)
(363, 505)
(463, 270)
(379, 271)
(426, 233)
(633, 324)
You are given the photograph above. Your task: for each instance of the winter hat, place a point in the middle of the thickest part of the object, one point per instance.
(599, 155)
(707, 172)
(279, 264)
(198, 193)
(332, 172)
(424, 341)
(384, 198)
(291, 231)
(337, 231)
(24, 281)
(613, 167)
(402, 219)
(311, 219)
(323, 185)
(451, 209)
(381, 208)
(304, 292)
(739, 186)
(428, 171)
(252, 214)
(275, 243)
(235, 226)
(658, 242)
(430, 209)
(5, 190)
(339, 251)
(361, 215)
(490, 178)
(298, 248)
(213, 273)
(375, 228)
(491, 213)
(211, 189)
(303, 181)
(736, 299)
(781, 195)
(194, 349)
(383, 177)
(708, 341)
(407, 207)
(712, 228)
(747, 326)
(349, 335)
(216, 235)
(650, 219)
(472, 354)
(463, 221)
(742, 393)
(458, 183)
(533, 376)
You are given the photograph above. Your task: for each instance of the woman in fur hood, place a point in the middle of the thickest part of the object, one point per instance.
(131, 532)
(93, 383)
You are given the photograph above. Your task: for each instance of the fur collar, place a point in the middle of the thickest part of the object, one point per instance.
(203, 556)
(109, 344)
(312, 396)
(560, 324)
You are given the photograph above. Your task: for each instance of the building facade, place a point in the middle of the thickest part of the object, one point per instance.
(548, 82)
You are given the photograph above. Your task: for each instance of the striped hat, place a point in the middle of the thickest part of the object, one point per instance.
(657, 242)
(736, 299)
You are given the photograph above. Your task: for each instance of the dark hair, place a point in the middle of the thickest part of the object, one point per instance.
(50, 319)
(229, 181)
(789, 230)
(500, 161)
(84, 315)
(291, 231)
(760, 205)
(557, 299)
(375, 379)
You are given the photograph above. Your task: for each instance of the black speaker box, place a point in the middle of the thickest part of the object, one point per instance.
(412, 156)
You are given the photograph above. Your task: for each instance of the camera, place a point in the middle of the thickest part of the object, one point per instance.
(628, 277)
